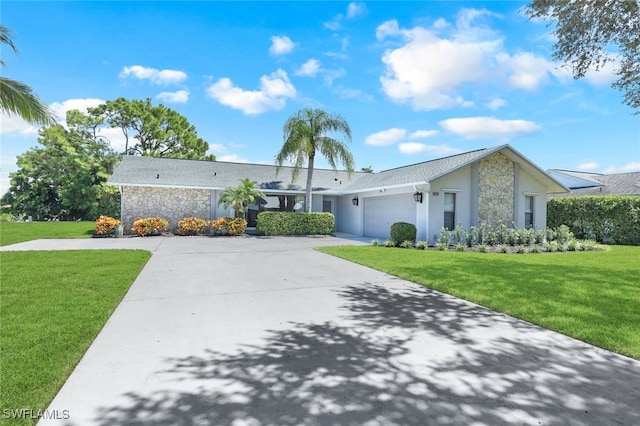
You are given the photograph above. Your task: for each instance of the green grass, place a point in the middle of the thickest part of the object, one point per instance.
(53, 304)
(18, 232)
(592, 296)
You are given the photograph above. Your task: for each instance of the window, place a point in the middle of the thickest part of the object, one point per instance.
(528, 211)
(449, 210)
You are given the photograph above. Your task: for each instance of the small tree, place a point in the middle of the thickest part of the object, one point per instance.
(241, 196)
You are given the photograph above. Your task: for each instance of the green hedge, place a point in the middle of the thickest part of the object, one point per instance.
(613, 218)
(291, 223)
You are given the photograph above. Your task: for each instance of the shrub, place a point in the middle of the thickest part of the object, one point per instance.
(460, 247)
(389, 243)
(375, 242)
(7, 217)
(504, 248)
(588, 245)
(445, 236)
(458, 233)
(563, 234)
(106, 225)
(470, 236)
(482, 248)
(492, 238)
(534, 249)
(217, 225)
(149, 226)
(292, 223)
(442, 246)
(191, 226)
(406, 244)
(235, 226)
(521, 250)
(421, 245)
(573, 245)
(403, 231)
(551, 246)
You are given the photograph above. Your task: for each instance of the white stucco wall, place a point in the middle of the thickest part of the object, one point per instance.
(458, 182)
(528, 185)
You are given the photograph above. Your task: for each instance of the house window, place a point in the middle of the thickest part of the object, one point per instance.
(528, 211)
(449, 210)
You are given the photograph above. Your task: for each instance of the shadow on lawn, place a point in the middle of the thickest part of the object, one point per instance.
(408, 356)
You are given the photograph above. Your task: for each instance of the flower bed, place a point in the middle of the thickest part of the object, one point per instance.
(149, 226)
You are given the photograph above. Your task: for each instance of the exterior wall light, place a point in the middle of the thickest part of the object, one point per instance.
(354, 200)
(417, 197)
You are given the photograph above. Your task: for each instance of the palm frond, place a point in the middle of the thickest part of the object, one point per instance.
(17, 98)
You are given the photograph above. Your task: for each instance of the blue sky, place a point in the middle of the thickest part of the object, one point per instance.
(415, 80)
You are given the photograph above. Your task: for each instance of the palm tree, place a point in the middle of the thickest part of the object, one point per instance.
(241, 196)
(306, 133)
(18, 98)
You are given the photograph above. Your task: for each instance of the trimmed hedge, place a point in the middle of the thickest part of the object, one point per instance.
(403, 231)
(291, 223)
(610, 218)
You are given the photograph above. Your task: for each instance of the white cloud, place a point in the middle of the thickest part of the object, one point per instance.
(354, 9)
(274, 91)
(179, 97)
(385, 137)
(428, 70)
(309, 68)
(488, 127)
(629, 167)
(496, 103)
(588, 167)
(525, 70)
(347, 93)
(154, 75)
(281, 45)
(605, 75)
(437, 150)
(421, 134)
(60, 108)
(12, 124)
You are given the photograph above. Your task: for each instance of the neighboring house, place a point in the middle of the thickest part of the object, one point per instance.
(583, 183)
(490, 186)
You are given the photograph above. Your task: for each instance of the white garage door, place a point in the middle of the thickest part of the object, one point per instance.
(381, 212)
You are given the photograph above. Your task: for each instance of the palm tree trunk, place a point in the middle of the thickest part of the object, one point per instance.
(307, 194)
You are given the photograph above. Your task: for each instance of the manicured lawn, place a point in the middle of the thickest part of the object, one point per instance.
(592, 296)
(18, 232)
(53, 304)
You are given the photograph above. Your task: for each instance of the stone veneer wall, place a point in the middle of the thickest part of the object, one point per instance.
(496, 192)
(172, 204)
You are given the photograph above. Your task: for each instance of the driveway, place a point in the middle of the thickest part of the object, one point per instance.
(267, 331)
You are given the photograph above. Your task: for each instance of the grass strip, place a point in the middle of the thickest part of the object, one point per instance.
(53, 305)
(591, 296)
(18, 232)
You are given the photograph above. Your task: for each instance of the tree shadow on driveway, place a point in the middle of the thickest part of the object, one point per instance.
(397, 356)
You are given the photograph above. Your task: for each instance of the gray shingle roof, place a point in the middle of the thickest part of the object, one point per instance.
(165, 172)
(613, 184)
(168, 172)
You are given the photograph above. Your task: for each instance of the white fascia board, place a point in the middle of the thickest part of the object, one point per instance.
(379, 188)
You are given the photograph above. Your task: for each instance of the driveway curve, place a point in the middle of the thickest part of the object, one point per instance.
(268, 331)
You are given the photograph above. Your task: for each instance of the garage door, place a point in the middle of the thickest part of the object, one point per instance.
(381, 212)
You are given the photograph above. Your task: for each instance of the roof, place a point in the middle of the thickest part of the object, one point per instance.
(195, 174)
(582, 183)
(166, 172)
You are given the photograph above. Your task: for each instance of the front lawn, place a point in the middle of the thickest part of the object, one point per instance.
(591, 296)
(18, 232)
(53, 304)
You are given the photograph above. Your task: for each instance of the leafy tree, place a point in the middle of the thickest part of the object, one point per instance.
(65, 178)
(241, 196)
(307, 132)
(367, 169)
(155, 131)
(585, 29)
(18, 98)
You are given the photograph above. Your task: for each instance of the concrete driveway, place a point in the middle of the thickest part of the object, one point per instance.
(267, 331)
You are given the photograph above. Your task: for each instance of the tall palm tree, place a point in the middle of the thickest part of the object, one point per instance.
(241, 196)
(18, 98)
(307, 132)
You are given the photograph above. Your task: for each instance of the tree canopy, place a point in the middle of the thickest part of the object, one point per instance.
(17, 98)
(587, 31)
(149, 130)
(310, 131)
(65, 178)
